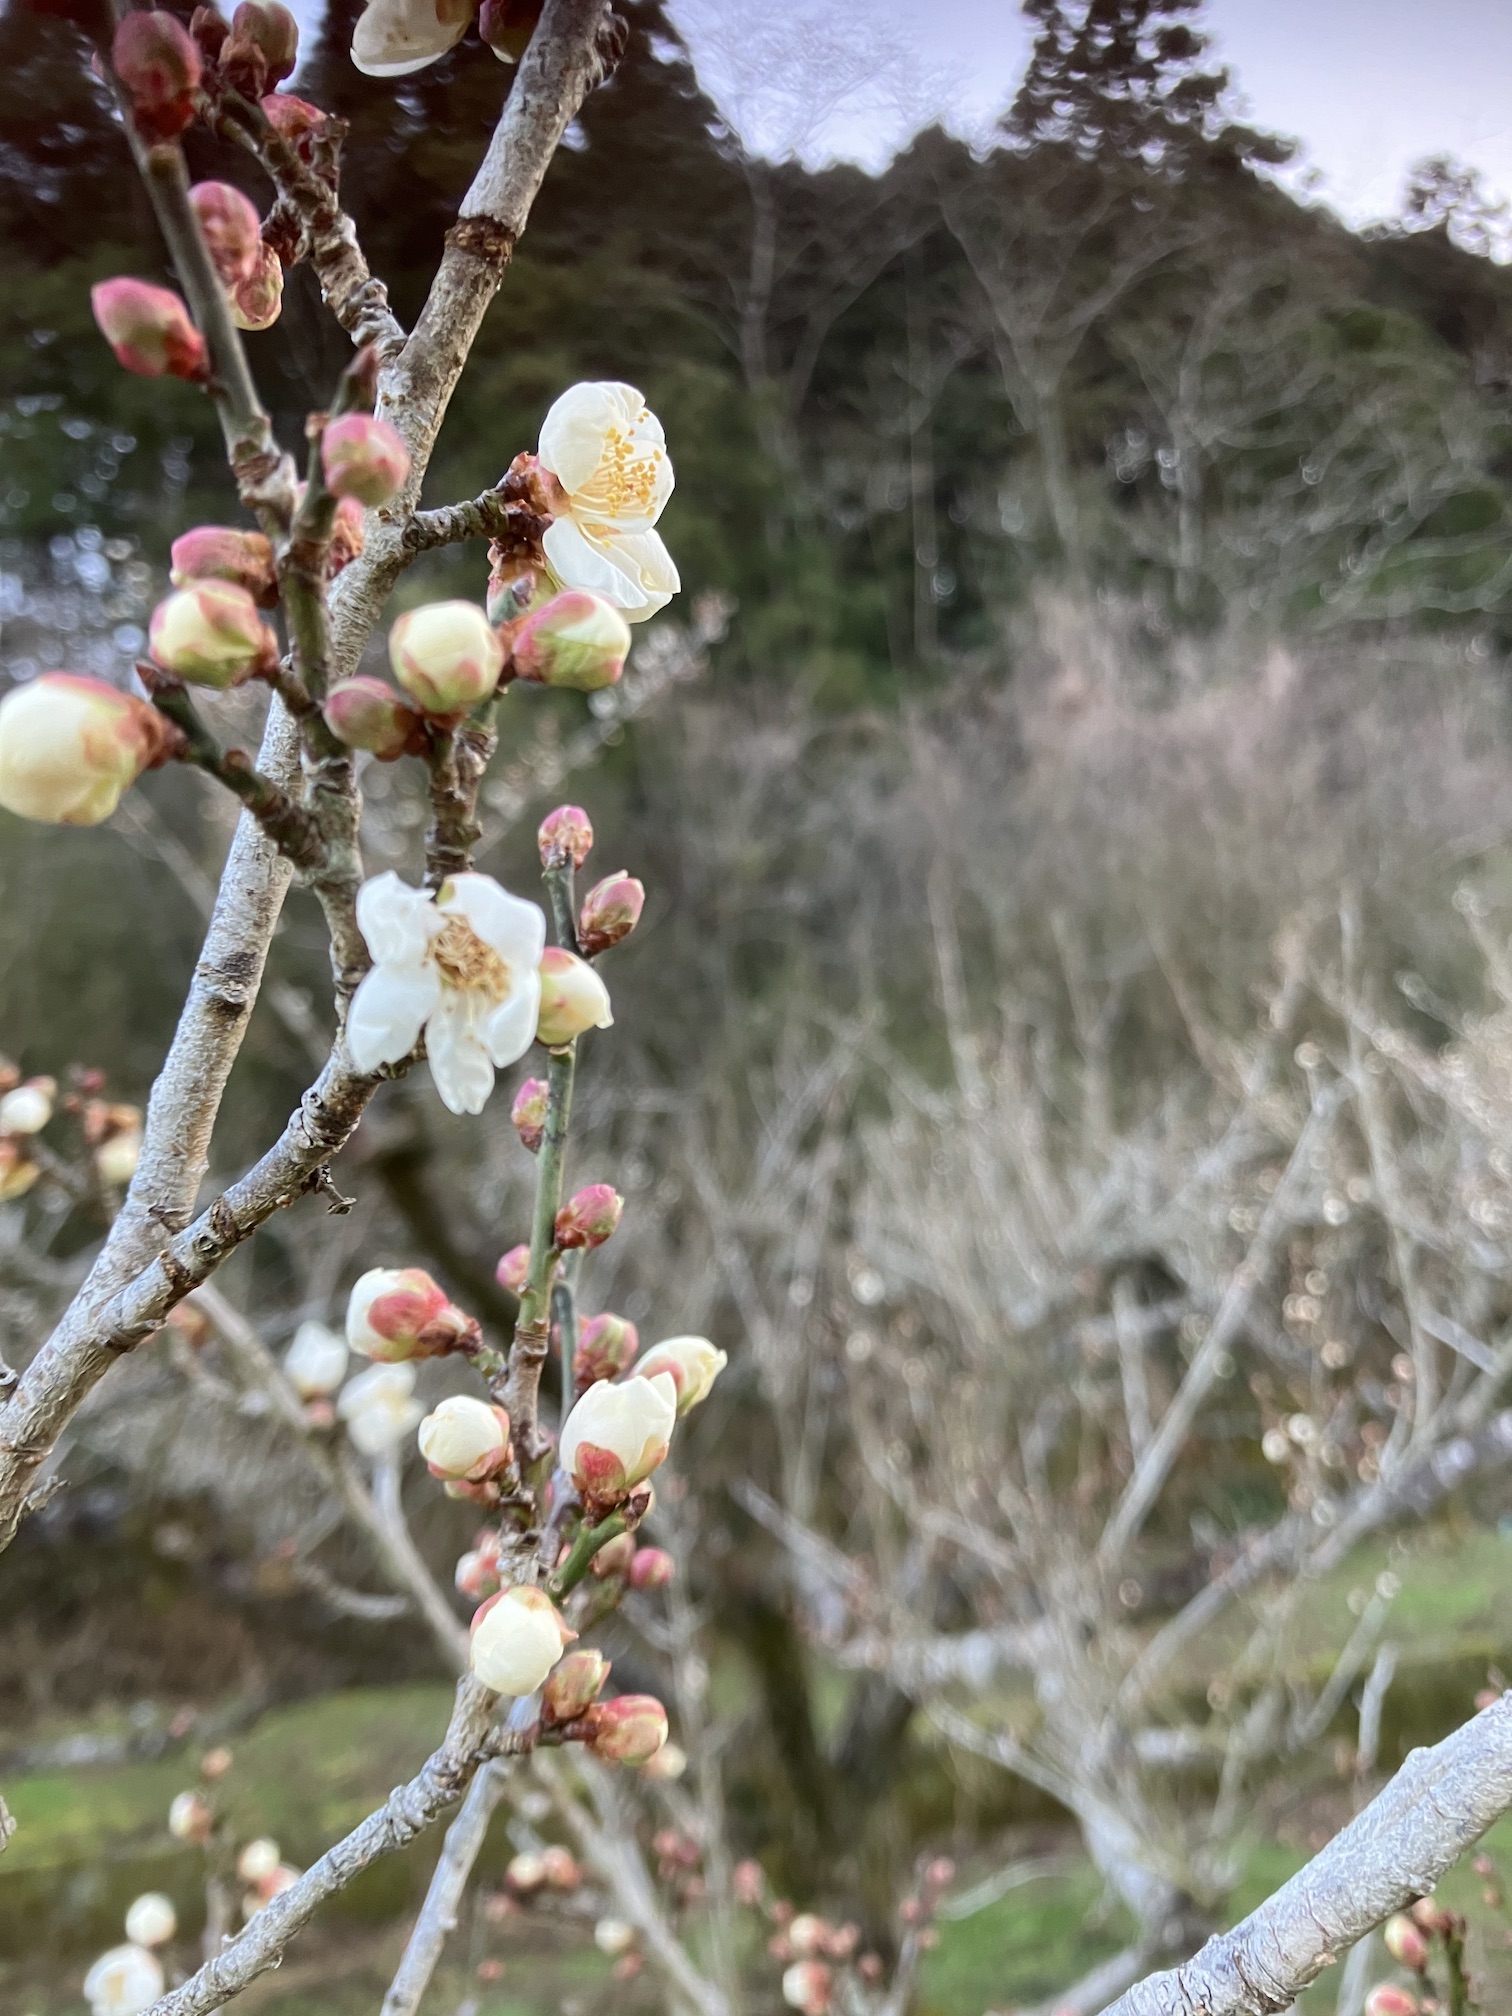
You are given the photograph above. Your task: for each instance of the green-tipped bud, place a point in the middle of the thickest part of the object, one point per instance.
(365, 714)
(363, 457)
(446, 656)
(211, 634)
(575, 640)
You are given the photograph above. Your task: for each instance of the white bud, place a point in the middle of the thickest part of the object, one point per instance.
(613, 1936)
(618, 1433)
(151, 1919)
(379, 1407)
(315, 1363)
(694, 1364)
(464, 1438)
(258, 1860)
(28, 1109)
(517, 1637)
(123, 1982)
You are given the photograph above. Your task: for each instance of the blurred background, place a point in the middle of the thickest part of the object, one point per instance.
(1074, 995)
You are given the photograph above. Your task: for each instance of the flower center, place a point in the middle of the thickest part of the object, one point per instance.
(466, 962)
(624, 484)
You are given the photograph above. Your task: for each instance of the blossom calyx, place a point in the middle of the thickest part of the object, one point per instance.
(611, 911)
(396, 1313)
(574, 1686)
(226, 553)
(529, 1113)
(257, 301)
(211, 634)
(465, 1439)
(513, 1269)
(651, 1568)
(148, 327)
(364, 713)
(231, 229)
(158, 64)
(575, 640)
(565, 835)
(447, 656)
(693, 1364)
(589, 1217)
(315, 1363)
(628, 1730)
(606, 1346)
(617, 1434)
(363, 457)
(516, 1639)
(573, 998)
(70, 746)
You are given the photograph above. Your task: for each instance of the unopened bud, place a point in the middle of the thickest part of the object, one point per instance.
(257, 301)
(617, 1433)
(670, 1762)
(576, 640)
(627, 1730)
(574, 1685)
(348, 535)
(148, 327)
(565, 835)
(694, 1365)
(1385, 1999)
(1405, 1942)
(69, 747)
(364, 713)
(211, 634)
(17, 1174)
(573, 998)
(190, 1819)
(159, 66)
(231, 229)
(606, 1346)
(397, 1313)
(513, 1269)
(806, 1987)
(267, 32)
(151, 1919)
(588, 1217)
(123, 1981)
(116, 1158)
(209, 27)
(258, 1860)
(525, 1872)
(226, 553)
(28, 1109)
(517, 1637)
(529, 1112)
(465, 1439)
(651, 1568)
(293, 119)
(560, 1869)
(216, 1763)
(614, 1557)
(748, 1882)
(611, 1935)
(479, 1571)
(611, 911)
(315, 1363)
(446, 656)
(363, 457)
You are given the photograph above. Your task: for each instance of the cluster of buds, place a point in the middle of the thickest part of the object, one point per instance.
(70, 746)
(550, 1868)
(128, 1979)
(1409, 1937)
(465, 1442)
(247, 266)
(398, 1313)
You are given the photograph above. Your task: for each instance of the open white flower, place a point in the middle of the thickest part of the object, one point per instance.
(123, 1982)
(463, 965)
(606, 449)
(379, 1407)
(394, 37)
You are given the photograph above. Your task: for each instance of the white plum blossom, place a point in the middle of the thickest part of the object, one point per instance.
(379, 1407)
(607, 451)
(315, 1363)
(618, 1433)
(123, 1982)
(463, 965)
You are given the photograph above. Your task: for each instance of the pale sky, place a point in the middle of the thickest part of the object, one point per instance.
(1368, 86)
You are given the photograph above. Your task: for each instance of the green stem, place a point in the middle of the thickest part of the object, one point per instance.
(527, 1353)
(564, 1315)
(586, 1543)
(558, 878)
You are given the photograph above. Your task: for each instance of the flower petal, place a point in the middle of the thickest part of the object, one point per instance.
(510, 1030)
(398, 922)
(394, 37)
(515, 928)
(388, 1012)
(460, 1064)
(572, 434)
(645, 553)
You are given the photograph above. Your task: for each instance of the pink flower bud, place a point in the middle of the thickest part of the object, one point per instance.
(232, 230)
(211, 634)
(749, 1883)
(70, 746)
(1386, 2000)
(529, 1112)
(257, 302)
(559, 1869)
(576, 640)
(573, 998)
(565, 835)
(574, 1686)
(606, 1346)
(651, 1568)
(611, 911)
(614, 1557)
(446, 656)
(513, 1269)
(627, 1730)
(225, 553)
(148, 327)
(398, 1313)
(264, 44)
(156, 60)
(1405, 1942)
(364, 713)
(348, 536)
(477, 1574)
(293, 119)
(364, 458)
(588, 1217)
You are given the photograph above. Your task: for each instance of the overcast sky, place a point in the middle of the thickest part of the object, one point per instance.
(1368, 86)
